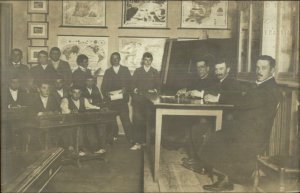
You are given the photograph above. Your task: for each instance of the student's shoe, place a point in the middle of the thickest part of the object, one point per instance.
(100, 151)
(136, 147)
(81, 153)
(220, 185)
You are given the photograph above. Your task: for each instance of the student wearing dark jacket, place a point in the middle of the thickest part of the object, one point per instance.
(43, 71)
(145, 80)
(80, 75)
(91, 91)
(115, 88)
(62, 67)
(15, 96)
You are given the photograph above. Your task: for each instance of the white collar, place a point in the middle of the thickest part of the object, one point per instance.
(44, 66)
(60, 92)
(224, 78)
(82, 69)
(116, 69)
(260, 82)
(14, 94)
(89, 89)
(13, 91)
(147, 68)
(16, 63)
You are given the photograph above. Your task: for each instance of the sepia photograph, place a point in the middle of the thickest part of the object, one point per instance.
(149, 96)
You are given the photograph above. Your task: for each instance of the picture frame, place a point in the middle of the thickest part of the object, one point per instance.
(144, 14)
(94, 47)
(204, 14)
(37, 30)
(33, 53)
(84, 13)
(38, 6)
(132, 49)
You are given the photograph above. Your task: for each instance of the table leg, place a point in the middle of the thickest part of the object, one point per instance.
(77, 146)
(158, 125)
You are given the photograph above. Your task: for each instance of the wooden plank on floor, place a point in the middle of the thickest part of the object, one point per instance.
(149, 184)
(167, 180)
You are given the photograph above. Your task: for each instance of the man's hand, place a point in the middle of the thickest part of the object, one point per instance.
(211, 98)
(196, 93)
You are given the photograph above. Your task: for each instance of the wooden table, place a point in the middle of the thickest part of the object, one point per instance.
(169, 105)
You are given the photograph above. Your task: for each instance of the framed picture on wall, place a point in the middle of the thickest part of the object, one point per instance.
(95, 48)
(145, 14)
(38, 30)
(38, 6)
(33, 53)
(133, 48)
(204, 14)
(84, 13)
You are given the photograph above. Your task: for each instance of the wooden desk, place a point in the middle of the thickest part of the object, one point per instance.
(74, 120)
(181, 107)
(29, 171)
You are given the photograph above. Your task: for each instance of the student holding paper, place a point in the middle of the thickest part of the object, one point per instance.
(115, 89)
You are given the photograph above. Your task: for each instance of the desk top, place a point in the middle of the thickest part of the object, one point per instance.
(183, 102)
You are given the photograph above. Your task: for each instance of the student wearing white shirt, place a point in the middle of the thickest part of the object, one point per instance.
(59, 91)
(16, 97)
(75, 103)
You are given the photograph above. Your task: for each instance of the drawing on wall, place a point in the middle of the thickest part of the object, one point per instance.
(84, 13)
(145, 14)
(95, 48)
(38, 6)
(37, 30)
(132, 50)
(204, 14)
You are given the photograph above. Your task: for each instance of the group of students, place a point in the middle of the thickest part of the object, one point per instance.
(51, 87)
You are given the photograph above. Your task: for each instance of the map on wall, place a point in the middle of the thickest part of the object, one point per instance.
(132, 50)
(84, 13)
(204, 14)
(145, 13)
(95, 48)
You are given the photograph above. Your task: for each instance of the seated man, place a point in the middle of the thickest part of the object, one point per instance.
(232, 152)
(91, 91)
(44, 103)
(15, 96)
(75, 103)
(202, 82)
(59, 91)
(145, 80)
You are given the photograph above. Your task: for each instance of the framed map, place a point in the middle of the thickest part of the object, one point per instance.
(204, 14)
(95, 48)
(145, 14)
(132, 50)
(84, 13)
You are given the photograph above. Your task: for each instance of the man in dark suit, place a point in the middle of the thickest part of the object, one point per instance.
(145, 80)
(115, 88)
(15, 97)
(44, 103)
(80, 75)
(202, 82)
(62, 67)
(17, 68)
(43, 71)
(91, 91)
(232, 151)
(59, 91)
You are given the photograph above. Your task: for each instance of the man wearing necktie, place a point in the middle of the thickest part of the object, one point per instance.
(231, 153)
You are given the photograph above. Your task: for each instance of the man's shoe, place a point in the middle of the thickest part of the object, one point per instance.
(220, 185)
(196, 167)
(100, 151)
(136, 147)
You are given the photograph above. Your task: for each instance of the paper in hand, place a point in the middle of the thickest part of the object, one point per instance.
(116, 95)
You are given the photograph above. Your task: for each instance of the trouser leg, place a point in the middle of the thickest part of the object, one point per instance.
(100, 131)
(124, 116)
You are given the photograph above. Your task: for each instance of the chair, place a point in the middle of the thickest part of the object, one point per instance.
(281, 173)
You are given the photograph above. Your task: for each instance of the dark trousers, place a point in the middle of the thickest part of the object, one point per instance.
(123, 111)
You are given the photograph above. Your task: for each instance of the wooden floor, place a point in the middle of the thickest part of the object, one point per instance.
(175, 178)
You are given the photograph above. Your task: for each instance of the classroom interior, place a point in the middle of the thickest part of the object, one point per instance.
(33, 163)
